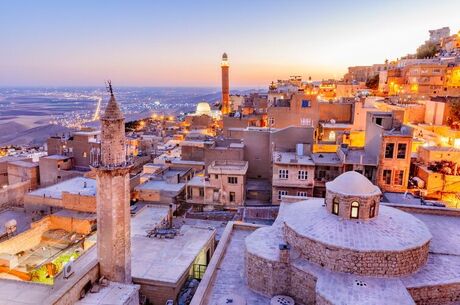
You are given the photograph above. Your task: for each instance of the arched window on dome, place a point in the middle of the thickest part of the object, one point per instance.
(335, 206)
(354, 210)
(372, 209)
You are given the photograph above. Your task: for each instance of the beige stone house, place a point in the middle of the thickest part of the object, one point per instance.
(223, 187)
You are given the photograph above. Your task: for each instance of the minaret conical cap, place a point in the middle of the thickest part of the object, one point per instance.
(112, 111)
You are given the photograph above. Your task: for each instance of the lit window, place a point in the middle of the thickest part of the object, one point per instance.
(332, 136)
(389, 149)
(303, 175)
(387, 176)
(354, 209)
(281, 193)
(399, 177)
(283, 174)
(84, 154)
(402, 151)
(233, 180)
(335, 206)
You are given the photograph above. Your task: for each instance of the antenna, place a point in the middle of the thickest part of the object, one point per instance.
(108, 86)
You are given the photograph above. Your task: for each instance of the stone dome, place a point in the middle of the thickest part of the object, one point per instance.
(353, 184)
(203, 108)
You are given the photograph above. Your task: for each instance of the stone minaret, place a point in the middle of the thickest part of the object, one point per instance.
(225, 85)
(113, 211)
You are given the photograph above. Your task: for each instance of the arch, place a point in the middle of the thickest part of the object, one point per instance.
(354, 212)
(335, 206)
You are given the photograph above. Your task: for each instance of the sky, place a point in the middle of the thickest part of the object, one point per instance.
(180, 43)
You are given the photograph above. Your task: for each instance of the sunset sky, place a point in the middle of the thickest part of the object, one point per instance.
(179, 43)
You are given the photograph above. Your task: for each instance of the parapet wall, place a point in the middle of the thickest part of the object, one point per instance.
(384, 263)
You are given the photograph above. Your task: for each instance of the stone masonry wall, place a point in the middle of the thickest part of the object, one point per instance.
(267, 277)
(363, 263)
(303, 287)
(345, 201)
(436, 295)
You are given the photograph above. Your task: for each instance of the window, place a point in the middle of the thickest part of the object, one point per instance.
(389, 149)
(281, 193)
(84, 154)
(354, 210)
(372, 209)
(201, 192)
(283, 174)
(302, 175)
(332, 135)
(271, 121)
(335, 206)
(306, 103)
(305, 122)
(402, 151)
(399, 177)
(302, 194)
(233, 180)
(216, 176)
(232, 196)
(387, 176)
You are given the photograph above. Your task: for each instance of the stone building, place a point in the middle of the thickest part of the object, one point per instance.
(224, 187)
(293, 175)
(346, 249)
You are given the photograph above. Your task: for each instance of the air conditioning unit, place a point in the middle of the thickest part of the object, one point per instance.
(68, 270)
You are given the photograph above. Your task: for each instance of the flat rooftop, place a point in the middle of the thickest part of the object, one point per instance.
(228, 167)
(167, 260)
(113, 294)
(74, 186)
(359, 156)
(160, 185)
(23, 220)
(326, 159)
(291, 158)
(56, 157)
(147, 218)
(24, 164)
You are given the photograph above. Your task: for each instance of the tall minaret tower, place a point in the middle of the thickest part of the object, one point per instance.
(113, 211)
(225, 85)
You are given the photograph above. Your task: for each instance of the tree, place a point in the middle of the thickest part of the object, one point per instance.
(428, 49)
(373, 82)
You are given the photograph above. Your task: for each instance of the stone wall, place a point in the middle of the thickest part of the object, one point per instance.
(303, 287)
(13, 195)
(267, 277)
(27, 239)
(436, 295)
(358, 262)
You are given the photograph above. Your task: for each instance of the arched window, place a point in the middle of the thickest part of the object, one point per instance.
(372, 209)
(335, 206)
(354, 209)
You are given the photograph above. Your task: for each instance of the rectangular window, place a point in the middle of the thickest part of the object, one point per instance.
(233, 180)
(302, 194)
(387, 176)
(283, 174)
(399, 177)
(305, 121)
(216, 176)
(306, 103)
(281, 193)
(201, 192)
(402, 151)
(303, 175)
(389, 149)
(271, 121)
(232, 196)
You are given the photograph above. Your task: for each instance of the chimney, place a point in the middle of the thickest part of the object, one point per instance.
(284, 253)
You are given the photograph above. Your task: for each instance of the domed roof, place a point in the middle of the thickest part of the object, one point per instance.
(224, 56)
(353, 183)
(203, 108)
